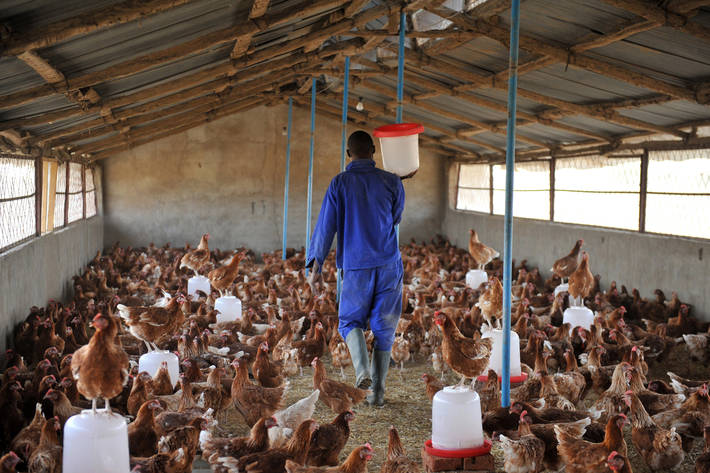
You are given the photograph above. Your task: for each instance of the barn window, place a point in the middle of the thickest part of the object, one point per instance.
(90, 193)
(60, 195)
(76, 193)
(598, 191)
(678, 195)
(17, 200)
(474, 188)
(531, 194)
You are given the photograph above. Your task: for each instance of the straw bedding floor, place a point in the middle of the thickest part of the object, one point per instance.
(410, 411)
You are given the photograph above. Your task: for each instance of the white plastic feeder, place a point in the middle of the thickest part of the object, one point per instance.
(230, 309)
(96, 443)
(578, 317)
(476, 277)
(151, 361)
(399, 144)
(456, 419)
(495, 362)
(561, 288)
(198, 283)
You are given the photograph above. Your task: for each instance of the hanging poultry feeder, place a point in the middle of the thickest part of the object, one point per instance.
(476, 277)
(561, 288)
(96, 443)
(151, 362)
(457, 430)
(495, 362)
(198, 283)
(399, 144)
(229, 309)
(578, 316)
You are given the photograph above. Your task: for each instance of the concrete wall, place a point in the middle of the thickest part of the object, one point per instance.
(635, 259)
(227, 178)
(42, 268)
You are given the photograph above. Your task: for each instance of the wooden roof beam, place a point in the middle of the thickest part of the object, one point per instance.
(197, 45)
(84, 98)
(214, 98)
(164, 123)
(446, 113)
(84, 23)
(651, 11)
(169, 131)
(258, 9)
(562, 54)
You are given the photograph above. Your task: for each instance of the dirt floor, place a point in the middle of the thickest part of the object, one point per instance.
(409, 410)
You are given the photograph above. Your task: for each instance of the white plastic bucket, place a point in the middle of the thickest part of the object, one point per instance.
(230, 309)
(96, 443)
(198, 283)
(476, 277)
(151, 362)
(495, 362)
(399, 144)
(578, 317)
(456, 419)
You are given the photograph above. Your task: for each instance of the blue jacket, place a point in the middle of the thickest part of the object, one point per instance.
(362, 205)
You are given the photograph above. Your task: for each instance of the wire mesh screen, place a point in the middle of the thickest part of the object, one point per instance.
(531, 190)
(599, 191)
(61, 195)
(90, 193)
(678, 195)
(474, 188)
(76, 197)
(17, 200)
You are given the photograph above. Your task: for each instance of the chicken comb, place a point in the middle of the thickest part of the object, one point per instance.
(635, 348)
(368, 446)
(629, 392)
(98, 316)
(612, 455)
(524, 413)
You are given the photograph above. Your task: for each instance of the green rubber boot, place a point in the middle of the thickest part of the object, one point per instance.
(380, 366)
(358, 353)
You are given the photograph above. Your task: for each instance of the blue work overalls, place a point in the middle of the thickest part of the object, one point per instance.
(363, 205)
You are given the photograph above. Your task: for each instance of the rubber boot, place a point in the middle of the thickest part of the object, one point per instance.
(358, 353)
(380, 366)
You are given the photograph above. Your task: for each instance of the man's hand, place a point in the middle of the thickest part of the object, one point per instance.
(411, 174)
(314, 276)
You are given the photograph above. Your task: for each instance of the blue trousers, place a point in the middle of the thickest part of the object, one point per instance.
(372, 295)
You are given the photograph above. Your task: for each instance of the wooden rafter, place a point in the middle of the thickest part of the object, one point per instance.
(63, 30)
(536, 46)
(84, 98)
(258, 9)
(167, 130)
(651, 11)
(197, 45)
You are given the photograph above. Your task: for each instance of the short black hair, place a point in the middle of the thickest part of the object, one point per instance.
(360, 145)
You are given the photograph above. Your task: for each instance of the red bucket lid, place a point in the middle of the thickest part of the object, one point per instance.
(398, 129)
(484, 449)
(513, 379)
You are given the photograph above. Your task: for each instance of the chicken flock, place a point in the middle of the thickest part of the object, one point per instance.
(584, 387)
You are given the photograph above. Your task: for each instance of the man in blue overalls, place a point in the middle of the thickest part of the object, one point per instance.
(363, 205)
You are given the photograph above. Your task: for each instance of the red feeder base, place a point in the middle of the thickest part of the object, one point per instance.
(473, 460)
(513, 379)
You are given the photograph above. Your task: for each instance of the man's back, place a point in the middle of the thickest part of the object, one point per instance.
(364, 203)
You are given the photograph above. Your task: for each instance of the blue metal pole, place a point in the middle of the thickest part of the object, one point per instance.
(286, 177)
(509, 173)
(343, 142)
(400, 78)
(310, 168)
(400, 65)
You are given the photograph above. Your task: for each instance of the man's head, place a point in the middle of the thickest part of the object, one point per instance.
(360, 145)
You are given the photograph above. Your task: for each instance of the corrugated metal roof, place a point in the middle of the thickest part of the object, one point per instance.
(665, 54)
